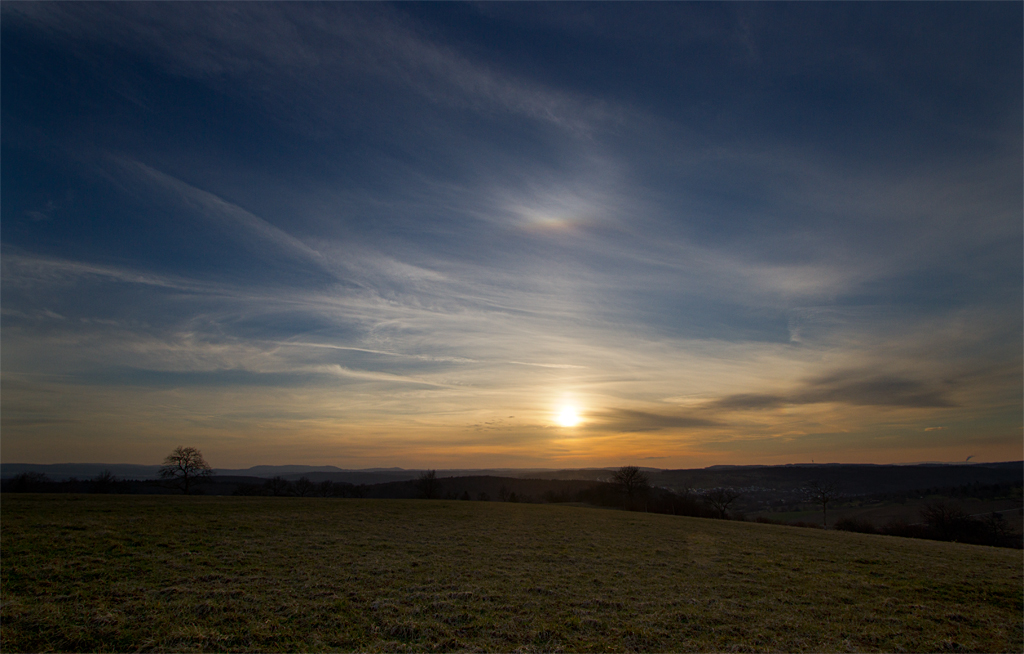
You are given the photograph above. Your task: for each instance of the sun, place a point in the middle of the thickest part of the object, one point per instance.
(568, 417)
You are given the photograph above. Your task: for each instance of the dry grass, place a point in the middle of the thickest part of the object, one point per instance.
(126, 573)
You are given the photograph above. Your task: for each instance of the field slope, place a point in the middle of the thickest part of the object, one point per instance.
(127, 573)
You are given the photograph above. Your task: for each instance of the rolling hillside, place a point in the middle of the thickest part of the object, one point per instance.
(86, 573)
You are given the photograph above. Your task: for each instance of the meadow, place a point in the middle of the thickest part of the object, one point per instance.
(158, 573)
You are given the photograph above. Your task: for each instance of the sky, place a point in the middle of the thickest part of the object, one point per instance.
(512, 235)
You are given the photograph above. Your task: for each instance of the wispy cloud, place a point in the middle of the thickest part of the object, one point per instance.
(274, 42)
(626, 420)
(367, 227)
(848, 387)
(22, 270)
(215, 208)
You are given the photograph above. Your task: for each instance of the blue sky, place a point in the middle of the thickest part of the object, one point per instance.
(424, 234)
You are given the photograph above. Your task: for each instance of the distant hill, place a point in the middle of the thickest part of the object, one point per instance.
(852, 479)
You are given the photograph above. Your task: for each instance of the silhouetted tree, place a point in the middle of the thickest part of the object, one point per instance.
(720, 499)
(345, 489)
(947, 520)
(325, 488)
(822, 492)
(248, 489)
(27, 482)
(105, 482)
(504, 493)
(278, 486)
(70, 485)
(633, 481)
(429, 485)
(552, 496)
(684, 502)
(853, 524)
(999, 532)
(185, 467)
(357, 491)
(685, 488)
(465, 495)
(304, 487)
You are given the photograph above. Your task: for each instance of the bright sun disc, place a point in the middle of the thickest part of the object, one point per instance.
(568, 417)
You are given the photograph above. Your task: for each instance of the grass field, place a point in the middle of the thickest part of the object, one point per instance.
(127, 573)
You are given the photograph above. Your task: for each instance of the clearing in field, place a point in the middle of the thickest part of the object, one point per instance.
(127, 573)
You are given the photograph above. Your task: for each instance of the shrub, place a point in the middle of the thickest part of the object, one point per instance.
(553, 497)
(277, 486)
(852, 524)
(903, 528)
(27, 482)
(768, 521)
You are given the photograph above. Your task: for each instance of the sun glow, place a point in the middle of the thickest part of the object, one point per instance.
(568, 417)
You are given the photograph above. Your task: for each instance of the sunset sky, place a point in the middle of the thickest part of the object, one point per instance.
(512, 235)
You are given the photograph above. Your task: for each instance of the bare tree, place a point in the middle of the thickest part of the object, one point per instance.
(278, 486)
(27, 482)
(185, 467)
(721, 498)
(684, 498)
(685, 488)
(947, 519)
(105, 482)
(325, 488)
(304, 487)
(633, 481)
(822, 492)
(357, 491)
(429, 485)
(999, 530)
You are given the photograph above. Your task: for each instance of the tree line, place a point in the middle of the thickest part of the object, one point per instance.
(628, 488)
(302, 487)
(944, 520)
(37, 482)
